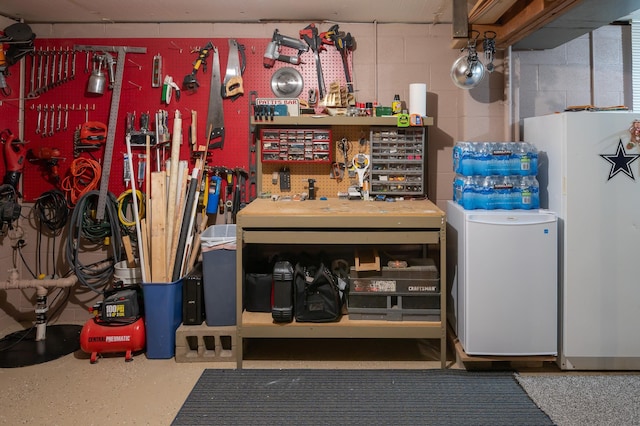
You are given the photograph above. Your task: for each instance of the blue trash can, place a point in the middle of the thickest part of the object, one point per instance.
(162, 317)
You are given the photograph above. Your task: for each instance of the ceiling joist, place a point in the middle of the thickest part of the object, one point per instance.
(515, 22)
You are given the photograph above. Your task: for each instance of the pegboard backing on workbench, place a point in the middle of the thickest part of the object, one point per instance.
(357, 138)
(71, 98)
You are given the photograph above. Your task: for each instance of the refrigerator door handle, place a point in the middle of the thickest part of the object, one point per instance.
(515, 220)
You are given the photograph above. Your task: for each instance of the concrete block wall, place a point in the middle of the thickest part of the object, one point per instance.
(590, 70)
(388, 58)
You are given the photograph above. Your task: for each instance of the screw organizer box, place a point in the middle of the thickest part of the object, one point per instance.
(397, 161)
(296, 145)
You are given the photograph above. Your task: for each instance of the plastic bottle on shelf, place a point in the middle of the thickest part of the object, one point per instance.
(396, 105)
(527, 193)
(483, 192)
(503, 190)
(500, 163)
(525, 159)
(463, 158)
(465, 191)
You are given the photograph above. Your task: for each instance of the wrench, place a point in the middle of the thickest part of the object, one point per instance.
(53, 68)
(39, 109)
(73, 65)
(86, 64)
(66, 116)
(53, 116)
(40, 62)
(45, 121)
(60, 54)
(59, 117)
(45, 83)
(32, 80)
(66, 65)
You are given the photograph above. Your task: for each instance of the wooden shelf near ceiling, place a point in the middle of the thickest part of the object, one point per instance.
(487, 12)
(512, 20)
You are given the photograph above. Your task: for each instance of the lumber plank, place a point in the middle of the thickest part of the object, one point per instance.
(158, 227)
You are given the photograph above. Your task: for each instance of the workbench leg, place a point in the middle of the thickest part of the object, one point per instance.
(239, 348)
(443, 350)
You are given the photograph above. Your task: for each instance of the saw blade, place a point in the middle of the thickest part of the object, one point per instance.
(215, 115)
(287, 82)
(233, 62)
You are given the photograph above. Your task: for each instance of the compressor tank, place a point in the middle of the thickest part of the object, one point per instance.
(99, 337)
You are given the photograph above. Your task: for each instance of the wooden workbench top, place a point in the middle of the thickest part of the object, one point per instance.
(338, 213)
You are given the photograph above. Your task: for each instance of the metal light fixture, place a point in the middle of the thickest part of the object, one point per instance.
(467, 71)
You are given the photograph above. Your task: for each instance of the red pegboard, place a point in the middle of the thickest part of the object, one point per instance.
(138, 96)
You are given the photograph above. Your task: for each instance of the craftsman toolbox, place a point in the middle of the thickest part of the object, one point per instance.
(406, 293)
(419, 276)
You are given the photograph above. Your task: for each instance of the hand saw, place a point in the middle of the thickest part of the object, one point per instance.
(215, 115)
(233, 78)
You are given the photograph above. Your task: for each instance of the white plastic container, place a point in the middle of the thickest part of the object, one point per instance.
(128, 276)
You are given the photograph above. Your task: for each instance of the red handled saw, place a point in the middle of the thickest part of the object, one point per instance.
(232, 85)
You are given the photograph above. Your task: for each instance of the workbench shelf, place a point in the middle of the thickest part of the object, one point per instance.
(265, 224)
(327, 120)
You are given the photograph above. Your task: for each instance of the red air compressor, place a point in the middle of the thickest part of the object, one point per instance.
(116, 326)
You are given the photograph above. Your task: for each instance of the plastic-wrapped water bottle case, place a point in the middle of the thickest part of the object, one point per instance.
(496, 175)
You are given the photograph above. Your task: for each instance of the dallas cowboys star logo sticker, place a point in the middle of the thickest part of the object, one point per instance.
(620, 162)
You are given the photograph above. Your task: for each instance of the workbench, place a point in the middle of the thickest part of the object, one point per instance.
(343, 222)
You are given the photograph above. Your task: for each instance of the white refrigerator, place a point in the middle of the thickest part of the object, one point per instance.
(589, 175)
(504, 287)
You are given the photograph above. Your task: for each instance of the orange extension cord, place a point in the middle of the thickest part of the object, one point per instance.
(83, 176)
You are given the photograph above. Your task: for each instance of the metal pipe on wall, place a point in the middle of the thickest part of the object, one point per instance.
(375, 59)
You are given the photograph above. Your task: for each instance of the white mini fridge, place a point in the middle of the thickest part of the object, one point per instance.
(504, 289)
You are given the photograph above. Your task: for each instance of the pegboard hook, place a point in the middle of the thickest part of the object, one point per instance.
(134, 84)
(175, 46)
(134, 63)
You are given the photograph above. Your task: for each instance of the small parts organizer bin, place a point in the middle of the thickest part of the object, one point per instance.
(397, 160)
(396, 294)
(296, 145)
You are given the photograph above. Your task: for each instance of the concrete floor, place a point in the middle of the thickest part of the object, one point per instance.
(71, 390)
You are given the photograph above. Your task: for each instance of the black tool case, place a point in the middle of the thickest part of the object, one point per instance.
(282, 309)
(193, 312)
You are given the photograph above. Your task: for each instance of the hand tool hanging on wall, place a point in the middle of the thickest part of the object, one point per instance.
(168, 87)
(49, 158)
(232, 85)
(14, 156)
(310, 35)
(215, 115)
(19, 38)
(156, 71)
(89, 136)
(344, 43)
(113, 117)
(272, 52)
(4, 71)
(190, 83)
(57, 69)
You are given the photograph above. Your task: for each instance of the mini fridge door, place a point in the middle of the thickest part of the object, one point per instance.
(511, 283)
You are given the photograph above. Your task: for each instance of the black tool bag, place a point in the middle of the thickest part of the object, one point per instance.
(317, 297)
